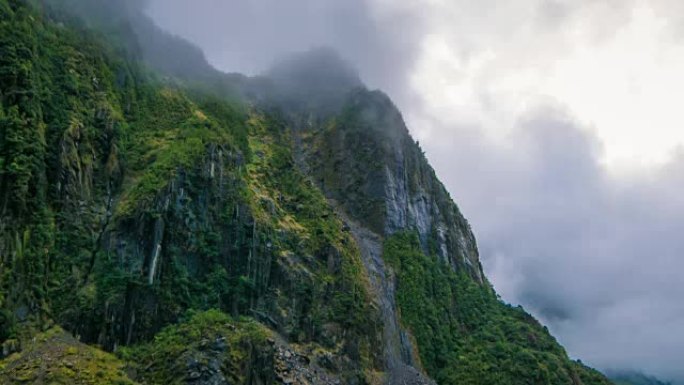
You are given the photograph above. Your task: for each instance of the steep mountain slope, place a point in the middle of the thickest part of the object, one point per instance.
(125, 203)
(454, 325)
(135, 197)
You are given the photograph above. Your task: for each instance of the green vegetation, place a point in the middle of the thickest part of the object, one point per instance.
(239, 348)
(333, 282)
(88, 141)
(171, 134)
(54, 357)
(349, 165)
(465, 334)
(126, 199)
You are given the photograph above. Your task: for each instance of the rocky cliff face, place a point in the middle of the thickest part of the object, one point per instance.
(366, 160)
(378, 178)
(128, 202)
(305, 215)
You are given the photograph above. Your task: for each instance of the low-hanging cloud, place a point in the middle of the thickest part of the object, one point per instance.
(524, 111)
(247, 36)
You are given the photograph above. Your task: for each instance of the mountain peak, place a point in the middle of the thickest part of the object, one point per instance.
(317, 68)
(315, 80)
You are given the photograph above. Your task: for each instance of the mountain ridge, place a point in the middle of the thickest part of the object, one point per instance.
(136, 197)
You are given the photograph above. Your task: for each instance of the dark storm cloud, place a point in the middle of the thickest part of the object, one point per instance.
(597, 256)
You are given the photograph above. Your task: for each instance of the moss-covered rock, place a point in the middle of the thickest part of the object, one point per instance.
(55, 357)
(210, 347)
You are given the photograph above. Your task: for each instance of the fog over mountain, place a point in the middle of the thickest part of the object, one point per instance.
(520, 109)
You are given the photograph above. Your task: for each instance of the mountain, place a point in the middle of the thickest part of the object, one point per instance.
(164, 223)
(634, 378)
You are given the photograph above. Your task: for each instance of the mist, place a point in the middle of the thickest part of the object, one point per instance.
(593, 251)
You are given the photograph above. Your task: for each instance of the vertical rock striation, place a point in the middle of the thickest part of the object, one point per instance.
(378, 178)
(367, 161)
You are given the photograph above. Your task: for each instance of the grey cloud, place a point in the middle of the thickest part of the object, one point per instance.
(246, 36)
(598, 258)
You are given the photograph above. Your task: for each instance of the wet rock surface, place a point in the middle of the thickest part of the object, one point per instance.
(398, 350)
(408, 375)
(204, 367)
(299, 369)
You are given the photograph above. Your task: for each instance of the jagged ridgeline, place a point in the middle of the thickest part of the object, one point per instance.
(162, 222)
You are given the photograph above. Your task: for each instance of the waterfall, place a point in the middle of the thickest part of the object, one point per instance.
(153, 263)
(156, 252)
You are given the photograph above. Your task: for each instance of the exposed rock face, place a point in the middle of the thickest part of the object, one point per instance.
(380, 182)
(131, 201)
(296, 368)
(399, 352)
(378, 178)
(368, 162)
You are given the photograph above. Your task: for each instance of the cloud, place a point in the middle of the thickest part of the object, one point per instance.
(600, 58)
(246, 36)
(596, 257)
(555, 124)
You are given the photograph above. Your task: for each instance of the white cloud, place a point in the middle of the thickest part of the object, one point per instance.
(617, 69)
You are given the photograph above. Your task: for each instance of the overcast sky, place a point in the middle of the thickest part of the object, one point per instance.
(557, 126)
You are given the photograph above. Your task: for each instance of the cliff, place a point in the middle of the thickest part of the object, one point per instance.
(212, 229)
